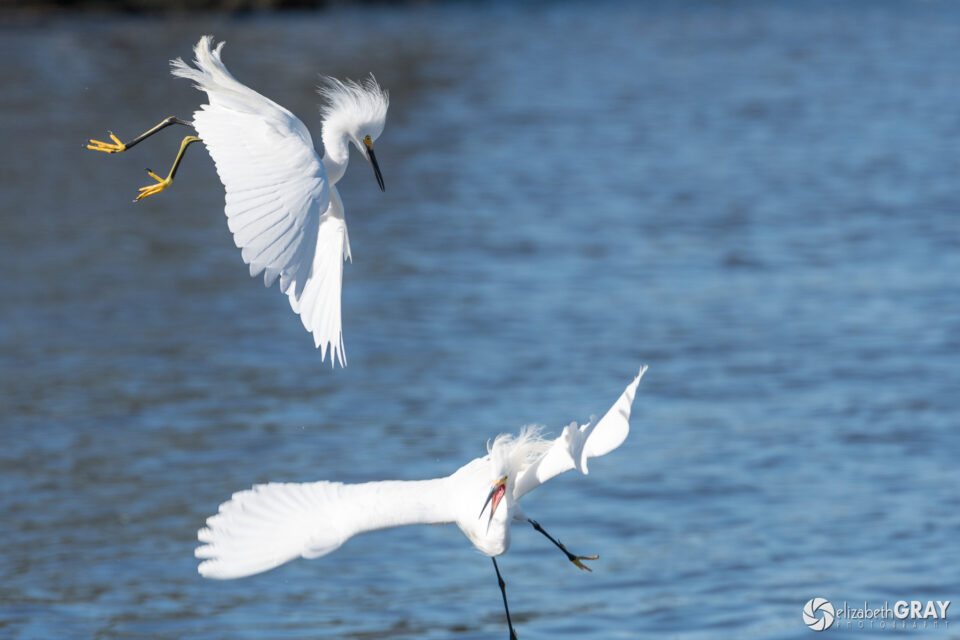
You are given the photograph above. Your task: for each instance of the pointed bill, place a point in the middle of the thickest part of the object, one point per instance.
(368, 143)
(494, 497)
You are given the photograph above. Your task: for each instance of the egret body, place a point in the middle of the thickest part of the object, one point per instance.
(270, 524)
(281, 206)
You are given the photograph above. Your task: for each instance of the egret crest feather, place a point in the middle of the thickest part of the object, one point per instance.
(511, 454)
(354, 107)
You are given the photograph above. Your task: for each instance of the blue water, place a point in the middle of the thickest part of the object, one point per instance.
(759, 200)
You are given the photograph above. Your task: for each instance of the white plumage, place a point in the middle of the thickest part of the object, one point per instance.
(576, 444)
(282, 209)
(268, 525)
(318, 304)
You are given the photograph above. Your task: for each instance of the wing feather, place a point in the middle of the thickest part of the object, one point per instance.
(270, 524)
(247, 229)
(279, 208)
(576, 444)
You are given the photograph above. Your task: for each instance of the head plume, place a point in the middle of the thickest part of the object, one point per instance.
(511, 454)
(356, 109)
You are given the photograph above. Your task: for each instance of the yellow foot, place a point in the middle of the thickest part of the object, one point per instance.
(576, 560)
(152, 189)
(106, 147)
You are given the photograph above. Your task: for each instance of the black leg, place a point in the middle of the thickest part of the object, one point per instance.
(118, 147)
(163, 125)
(503, 590)
(572, 558)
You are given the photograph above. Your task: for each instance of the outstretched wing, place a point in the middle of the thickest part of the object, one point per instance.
(271, 524)
(576, 444)
(276, 185)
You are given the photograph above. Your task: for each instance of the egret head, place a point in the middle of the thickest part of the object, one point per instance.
(357, 111)
(509, 455)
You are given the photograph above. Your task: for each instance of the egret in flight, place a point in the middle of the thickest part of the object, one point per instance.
(270, 524)
(282, 208)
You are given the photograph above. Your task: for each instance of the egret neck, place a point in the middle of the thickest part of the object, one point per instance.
(336, 152)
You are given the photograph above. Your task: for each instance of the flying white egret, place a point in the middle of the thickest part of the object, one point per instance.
(270, 524)
(282, 208)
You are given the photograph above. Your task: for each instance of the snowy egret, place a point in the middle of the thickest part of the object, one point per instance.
(270, 524)
(282, 208)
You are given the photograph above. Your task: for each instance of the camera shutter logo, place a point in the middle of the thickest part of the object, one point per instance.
(824, 608)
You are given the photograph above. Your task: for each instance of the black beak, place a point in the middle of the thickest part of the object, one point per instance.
(487, 501)
(376, 167)
(494, 497)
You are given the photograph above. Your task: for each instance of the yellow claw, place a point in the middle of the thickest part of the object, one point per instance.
(106, 147)
(576, 560)
(153, 189)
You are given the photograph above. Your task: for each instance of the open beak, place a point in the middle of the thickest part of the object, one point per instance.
(494, 498)
(368, 143)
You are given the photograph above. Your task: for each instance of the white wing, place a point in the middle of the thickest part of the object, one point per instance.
(276, 189)
(575, 445)
(318, 303)
(271, 524)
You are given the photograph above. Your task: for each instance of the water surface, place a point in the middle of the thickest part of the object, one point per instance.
(759, 200)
